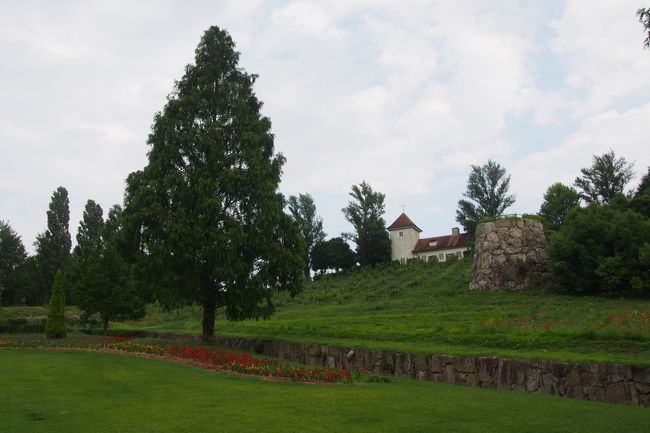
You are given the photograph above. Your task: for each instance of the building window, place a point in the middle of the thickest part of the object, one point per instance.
(401, 234)
(424, 258)
(441, 257)
(459, 253)
(402, 261)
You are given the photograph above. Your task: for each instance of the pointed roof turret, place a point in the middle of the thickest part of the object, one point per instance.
(403, 222)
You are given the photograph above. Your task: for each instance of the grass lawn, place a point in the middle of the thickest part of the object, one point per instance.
(428, 308)
(58, 391)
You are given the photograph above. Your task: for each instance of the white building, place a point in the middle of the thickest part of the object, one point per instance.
(406, 244)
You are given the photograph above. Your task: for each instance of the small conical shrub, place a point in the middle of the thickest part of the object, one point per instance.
(55, 325)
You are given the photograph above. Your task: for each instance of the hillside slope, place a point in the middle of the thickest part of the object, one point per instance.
(427, 307)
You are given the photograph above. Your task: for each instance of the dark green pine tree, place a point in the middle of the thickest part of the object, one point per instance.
(303, 211)
(105, 280)
(53, 246)
(365, 212)
(55, 324)
(209, 220)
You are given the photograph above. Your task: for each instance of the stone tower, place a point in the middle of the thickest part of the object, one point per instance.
(509, 253)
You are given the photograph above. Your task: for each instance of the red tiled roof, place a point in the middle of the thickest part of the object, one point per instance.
(444, 242)
(403, 222)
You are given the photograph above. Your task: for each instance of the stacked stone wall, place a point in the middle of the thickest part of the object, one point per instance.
(610, 383)
(509, 254)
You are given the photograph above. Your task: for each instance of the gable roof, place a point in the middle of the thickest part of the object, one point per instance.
(403, 222)
(444, 242)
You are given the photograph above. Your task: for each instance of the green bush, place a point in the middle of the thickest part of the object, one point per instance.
(601, 249)
(55, 325)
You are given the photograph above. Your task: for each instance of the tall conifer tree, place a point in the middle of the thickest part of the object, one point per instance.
(208, 216)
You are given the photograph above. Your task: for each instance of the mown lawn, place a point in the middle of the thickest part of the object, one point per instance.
(59, 391)
(428, 308)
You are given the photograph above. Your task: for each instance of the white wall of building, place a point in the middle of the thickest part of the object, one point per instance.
(402, 242)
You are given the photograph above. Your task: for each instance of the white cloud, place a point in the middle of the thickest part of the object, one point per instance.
(406, 95)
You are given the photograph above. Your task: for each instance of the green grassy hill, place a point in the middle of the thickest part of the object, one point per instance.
(427, 307)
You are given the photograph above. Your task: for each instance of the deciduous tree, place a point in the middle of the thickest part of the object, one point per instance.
(53, 246)
(559, 199)
(303, 211)
(644, 18)
(89, 234)
(105, 284)
(12, 256)
(210, 220)
(487, 191)
(365, 212)
(333, 254)
(606, 177)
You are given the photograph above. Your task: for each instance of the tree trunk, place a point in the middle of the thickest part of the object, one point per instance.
(105, 326)
(209, 313)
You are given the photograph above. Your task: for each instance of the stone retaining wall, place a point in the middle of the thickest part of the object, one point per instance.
(610, 383)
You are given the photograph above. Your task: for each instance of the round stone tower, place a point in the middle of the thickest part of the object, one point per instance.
(509, 253)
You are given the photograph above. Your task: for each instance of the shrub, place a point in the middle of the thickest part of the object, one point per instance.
(55, 325)
(601, 249)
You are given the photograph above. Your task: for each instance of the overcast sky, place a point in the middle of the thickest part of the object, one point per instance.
(406, 95)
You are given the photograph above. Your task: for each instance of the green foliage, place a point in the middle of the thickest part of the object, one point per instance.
(606, 178)
(428, 308)
(12, 256)
(644, 18)
(365, 212)
(559, 199)
(641, 200)
(597, 251)
(334, 254)
(303, 211)
(89, 234)
(105, 280)
(53, 246)
(487, 188)
(55, 325)
(205, 212)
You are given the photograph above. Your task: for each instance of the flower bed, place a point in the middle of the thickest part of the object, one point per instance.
(210, 357)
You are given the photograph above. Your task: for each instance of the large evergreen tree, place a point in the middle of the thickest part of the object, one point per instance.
(606, 177)
(209, 219)
(487, 191)
(365, 212)
(53, 246)
(303, 211)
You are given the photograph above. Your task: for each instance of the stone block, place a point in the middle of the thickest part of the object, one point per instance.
(622, 392)
(420, 362)
(435, 364)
